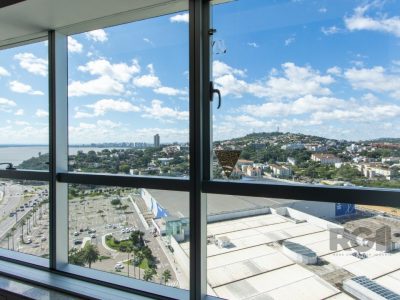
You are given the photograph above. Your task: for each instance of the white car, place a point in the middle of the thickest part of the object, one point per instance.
(119, 266)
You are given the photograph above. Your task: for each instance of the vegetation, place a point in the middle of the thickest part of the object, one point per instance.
(166, 276)
(89, 254)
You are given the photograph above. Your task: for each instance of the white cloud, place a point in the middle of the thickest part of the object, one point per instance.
(180, 18)
(4, 72)
(74, 46)
(323, 10)
(19, 87)
(334, 71)
(163, 113)
(98, 35)
(40, 113)
(330, 30)
(253, 44)
(120, 71)
(289, 41)
(6, 104)
(19, 112)
(169, 91)
(303, 105)
(375, 79)
(103, 85)
(21, 123)
(360, 21)
(32, 64)
(220, 68)
(101, 107)
(296, 82)
(149, 81)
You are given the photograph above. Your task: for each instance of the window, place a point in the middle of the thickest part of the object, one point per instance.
(24, 125)
(128, 98)
(304, 98)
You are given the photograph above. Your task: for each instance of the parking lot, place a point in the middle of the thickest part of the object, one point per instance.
(93, 217)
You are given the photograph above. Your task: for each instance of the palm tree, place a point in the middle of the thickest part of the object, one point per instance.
(166, 276)
(22, 229)
(149, 274)
(90, 254)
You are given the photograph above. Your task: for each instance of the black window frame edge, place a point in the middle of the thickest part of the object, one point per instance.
(199, 181)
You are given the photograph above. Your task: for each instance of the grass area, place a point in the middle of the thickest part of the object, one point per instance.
(117, 245)
(103, 257)
(144, 264)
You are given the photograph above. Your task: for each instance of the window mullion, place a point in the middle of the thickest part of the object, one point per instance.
(58, 108)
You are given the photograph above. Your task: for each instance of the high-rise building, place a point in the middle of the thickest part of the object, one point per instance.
(157, 140)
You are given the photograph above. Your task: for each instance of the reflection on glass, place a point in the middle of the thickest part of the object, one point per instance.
(24, 132)
(128, 98)
(264, 248)
(307, 96)
(137, 233)
(24, 224)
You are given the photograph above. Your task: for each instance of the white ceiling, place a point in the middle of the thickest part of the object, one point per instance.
(33, 18)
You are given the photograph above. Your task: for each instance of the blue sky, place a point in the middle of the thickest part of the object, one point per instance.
(328, 68)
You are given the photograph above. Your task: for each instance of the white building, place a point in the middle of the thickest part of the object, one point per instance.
(373, 170)
(295, 146)
(325, 159)
(281, 171)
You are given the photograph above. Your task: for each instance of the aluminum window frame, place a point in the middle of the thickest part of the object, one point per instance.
(198, 185)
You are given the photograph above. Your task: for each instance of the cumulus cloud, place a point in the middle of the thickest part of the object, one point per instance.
(74, 46)
(180, 18)
(6, 104)
(103, 85)
(98, 35)
(120, 71)
(32, 64)
(41, 113)
(293, 81)
(152, 81)
(19, 87)
(169, 91)
(360, 21)
(19, 112)
(163, 113)
(375, 79)
(103, 106)
(303, 105)
(4, 72)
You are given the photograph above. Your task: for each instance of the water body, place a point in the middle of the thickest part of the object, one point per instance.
(17, 154)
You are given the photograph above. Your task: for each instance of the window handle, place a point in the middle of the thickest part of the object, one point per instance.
(215, 91)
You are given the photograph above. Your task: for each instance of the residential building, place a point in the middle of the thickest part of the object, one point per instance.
(325, 159)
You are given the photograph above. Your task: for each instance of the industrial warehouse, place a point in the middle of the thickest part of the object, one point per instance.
(263, 248)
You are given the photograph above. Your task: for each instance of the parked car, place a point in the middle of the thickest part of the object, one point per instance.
(119, 266)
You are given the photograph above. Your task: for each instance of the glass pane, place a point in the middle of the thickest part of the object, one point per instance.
(24, 223)
(138, 233)
(24, 132)
(309, 92)
(129, 98)
(264, 248)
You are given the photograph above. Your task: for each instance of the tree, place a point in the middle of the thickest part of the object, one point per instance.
(149, 274)
(90, 254)
(166, 276)
(76, 257)
(137, 238)
(22, 229)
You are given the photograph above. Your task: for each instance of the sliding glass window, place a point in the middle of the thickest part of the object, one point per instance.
(129, 100)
